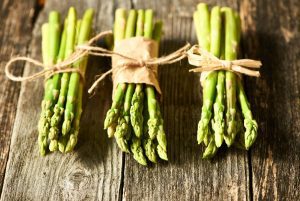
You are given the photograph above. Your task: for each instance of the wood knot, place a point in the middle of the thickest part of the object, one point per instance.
(73, 185)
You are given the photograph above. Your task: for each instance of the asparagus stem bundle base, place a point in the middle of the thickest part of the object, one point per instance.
(224, 99)
(62, 105)
(134, 118)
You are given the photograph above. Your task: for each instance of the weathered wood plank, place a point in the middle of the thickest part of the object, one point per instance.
(15, 36)
(186, 176)
(271, 33)
(93, 171)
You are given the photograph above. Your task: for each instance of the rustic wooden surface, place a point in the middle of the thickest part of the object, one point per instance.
(97, 170)
(16, 24)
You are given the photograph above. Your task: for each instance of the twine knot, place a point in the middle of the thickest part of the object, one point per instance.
(226, 64)
(205, 61)
(142, 62)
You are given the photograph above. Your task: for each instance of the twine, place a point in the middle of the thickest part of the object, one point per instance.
(205, 61)
(87, 49)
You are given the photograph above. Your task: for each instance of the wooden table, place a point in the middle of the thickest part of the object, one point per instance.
(97, 170)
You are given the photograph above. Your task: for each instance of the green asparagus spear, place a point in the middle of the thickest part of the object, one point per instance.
(148, 144)
(239, 141)
(136, 111)
(113, 113)
(50, 48)
(137, 150)
(140, 23)
(209, 84)
(76, 123)
(153, 122)
(84, 27)
(249, 123)
(42, 125)
(231, 41)
(218, 123)
(215, 49)
(161, 136)
(131, 24)
(123, 130)
(150, 91)
(53, 133)
(83, 36)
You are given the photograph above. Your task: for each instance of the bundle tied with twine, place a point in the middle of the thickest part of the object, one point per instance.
(133, 61)
(206, 62)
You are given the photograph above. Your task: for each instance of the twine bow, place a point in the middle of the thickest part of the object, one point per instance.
(205, 61)
(48, 71)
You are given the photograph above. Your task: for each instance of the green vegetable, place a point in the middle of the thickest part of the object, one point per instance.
(221, 120)
(131, 102)
(62, 104)
(50, 48)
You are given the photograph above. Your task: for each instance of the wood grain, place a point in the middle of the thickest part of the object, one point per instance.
(97, 170)
(91, 172)
(15, 34)
(186, 176)
(271, 33)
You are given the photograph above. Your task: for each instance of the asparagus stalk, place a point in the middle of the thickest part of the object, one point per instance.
(50, 48)
(72, 95)
(150, 91)
(75, 107)
(53, 134)
(239, 141)
(140, 23)
(161, 136)
(249, 123)
(218, 123)
(136, 111)
(148, 144)
(123, 129)
(137, 150)
(153, 126)
(137, 144)
(231, 41)
(215, 49)
(209, 86)
(43, 126)
(113, 113)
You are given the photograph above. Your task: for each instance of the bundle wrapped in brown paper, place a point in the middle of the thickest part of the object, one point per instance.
(130, 67)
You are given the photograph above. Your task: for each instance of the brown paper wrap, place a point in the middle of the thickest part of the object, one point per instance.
(125, 70)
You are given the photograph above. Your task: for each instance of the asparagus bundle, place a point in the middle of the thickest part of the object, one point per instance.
(134, 118)
(62, 104)
(218, 31)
